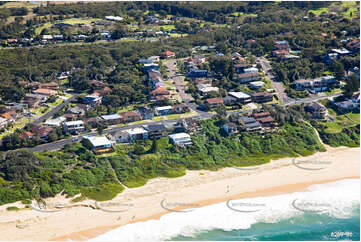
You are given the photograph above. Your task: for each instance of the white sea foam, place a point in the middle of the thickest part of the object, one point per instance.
(336, 199)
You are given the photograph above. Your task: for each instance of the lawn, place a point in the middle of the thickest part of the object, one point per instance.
(125, 109)
(71, 21)
(173, 116)
(342, 121)
(319, 11)
(19, 124)
(158, 118)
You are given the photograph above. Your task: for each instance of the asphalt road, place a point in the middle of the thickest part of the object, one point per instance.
(53, 111)
(280, 89)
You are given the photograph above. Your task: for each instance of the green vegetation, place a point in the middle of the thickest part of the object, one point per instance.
(12, 208)
(76, 170)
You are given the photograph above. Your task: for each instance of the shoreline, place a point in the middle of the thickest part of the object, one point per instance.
(83, 223)
(291, 188)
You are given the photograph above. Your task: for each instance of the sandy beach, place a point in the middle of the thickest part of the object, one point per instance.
(162, 195)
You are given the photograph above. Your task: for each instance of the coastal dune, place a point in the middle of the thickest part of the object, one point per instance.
(163, 195)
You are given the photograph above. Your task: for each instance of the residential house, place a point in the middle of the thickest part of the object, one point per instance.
(41, 130)
(56, 122)
(62, 75)
(154, 77)
(355, 97)
(112, 119)
(146, 113)
(99, 144)
(130, 116)
(151, 66)
(280, 53)
(159, 91)
(241, 97)
(248, 77)
(317, 110)
(213, 102)
(167, 54)
(353, 45)
(165, 110)
(181, 108)
(155, 130)
(256, 85)
(3, 122)
(239, 67)
(93, 99)
(77, 110)
(262, 97)
(180, 139)
(230, 128)
(45, 92)
(281, 45)
(229, 100)
(250, 124)
(206, 88)
(347, 106)
(97, 84)
(8, 117)
(250, 70)
(49, 85)
(93, 122)
(103, 92)
(47, 37)
(26, 135)
(137, 134)
(197, 73)
(31, 102)
(315, 85)
(154, 58)
(341, 51)
(74, 127)
(188, 125)
(265, 119)
(70, 116)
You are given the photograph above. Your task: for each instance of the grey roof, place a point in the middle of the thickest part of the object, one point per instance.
(247, 120)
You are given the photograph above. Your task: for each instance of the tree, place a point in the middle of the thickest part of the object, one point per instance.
(21, 165)
(339, 71)
(100, 129)
(138, 149)
(352, 85)
(154, 148)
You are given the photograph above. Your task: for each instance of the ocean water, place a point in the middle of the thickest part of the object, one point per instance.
(324, 212)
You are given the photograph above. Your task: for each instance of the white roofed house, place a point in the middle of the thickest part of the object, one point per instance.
(99, 144)
(112, 118)
(206, 88)
(256, 85)
(137, 134)
(165, 110)
(74, 126)
(180, 139)
(3, 122)
(56, 122)
(241, 97)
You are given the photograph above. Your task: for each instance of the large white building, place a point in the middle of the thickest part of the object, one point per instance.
(180, 139)
(74, 126)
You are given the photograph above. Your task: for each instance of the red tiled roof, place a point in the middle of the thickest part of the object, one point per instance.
(214, 100)
(160, 91)
(26, 135)
(168, 53)
(262, 114)
(41, 130)
(267, 119)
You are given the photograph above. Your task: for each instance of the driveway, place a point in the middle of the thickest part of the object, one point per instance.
(279, 88)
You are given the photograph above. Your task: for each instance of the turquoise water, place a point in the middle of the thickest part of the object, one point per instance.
(307, 227)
